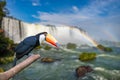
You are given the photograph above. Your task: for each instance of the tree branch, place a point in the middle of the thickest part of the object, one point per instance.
(13, 71)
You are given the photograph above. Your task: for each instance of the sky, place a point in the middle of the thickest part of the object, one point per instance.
(100, 18)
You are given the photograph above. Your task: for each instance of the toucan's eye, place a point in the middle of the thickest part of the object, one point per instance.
(45, 34)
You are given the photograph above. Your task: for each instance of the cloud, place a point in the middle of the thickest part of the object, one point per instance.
(99, 15)
(61, 18)
(36, 2)
(97, 9)
(75, 8)
(34, 16)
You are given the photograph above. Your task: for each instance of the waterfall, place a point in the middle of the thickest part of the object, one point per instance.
(18, 30)
(13, 29)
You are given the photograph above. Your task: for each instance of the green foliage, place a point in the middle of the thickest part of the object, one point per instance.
(38, 47)
(3, 10)
(47, 47)
(71, 46)
(5, 60)
(100, 47)
(107, 49)
(1, 70)
(87, 56)
(44, 46)
(6, 46)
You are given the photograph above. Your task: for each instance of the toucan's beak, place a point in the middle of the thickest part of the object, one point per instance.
(50, 39)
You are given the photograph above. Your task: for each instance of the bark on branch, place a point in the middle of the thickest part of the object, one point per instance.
(13, 71)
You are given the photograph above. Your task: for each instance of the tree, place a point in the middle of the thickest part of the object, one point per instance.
(3, 10)
(6, 46)
(5, 43)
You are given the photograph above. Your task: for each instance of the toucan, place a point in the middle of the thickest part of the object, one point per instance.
(29, 43)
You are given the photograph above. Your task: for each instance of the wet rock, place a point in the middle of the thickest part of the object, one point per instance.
(88, 68)
(47, 60)
(82, 70)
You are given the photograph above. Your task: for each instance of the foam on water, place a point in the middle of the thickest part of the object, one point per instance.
(98, 77)
(109, 56)
(71, 51)
(112, 72)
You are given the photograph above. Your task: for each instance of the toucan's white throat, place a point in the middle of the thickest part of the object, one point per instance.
(41, 38)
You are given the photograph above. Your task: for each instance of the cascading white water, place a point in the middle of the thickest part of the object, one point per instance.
(13, 29)
(18, 30)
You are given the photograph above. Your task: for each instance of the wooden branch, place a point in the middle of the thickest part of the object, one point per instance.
(13, 71)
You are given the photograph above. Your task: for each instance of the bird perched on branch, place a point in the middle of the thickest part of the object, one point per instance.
(29, 43)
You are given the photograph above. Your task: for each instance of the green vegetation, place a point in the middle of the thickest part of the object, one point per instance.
(6, 45)
(47, 47)
(38, 47)
(5, 60)
(3, 10)
(107, 49)
(1, 70)
(6, 50)
(87, 56)
(44, 46)
(71, 46)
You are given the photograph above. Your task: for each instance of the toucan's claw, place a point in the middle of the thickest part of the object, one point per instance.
(14, 62)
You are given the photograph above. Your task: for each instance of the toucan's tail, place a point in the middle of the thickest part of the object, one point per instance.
(15, 60)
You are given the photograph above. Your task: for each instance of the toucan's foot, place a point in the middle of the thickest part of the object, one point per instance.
(14, 62)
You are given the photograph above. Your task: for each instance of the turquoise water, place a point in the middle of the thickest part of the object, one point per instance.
(106, 66)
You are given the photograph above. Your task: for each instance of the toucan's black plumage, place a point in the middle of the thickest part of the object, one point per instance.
(26, 46)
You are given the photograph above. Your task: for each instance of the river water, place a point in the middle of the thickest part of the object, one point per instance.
(106, 66)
